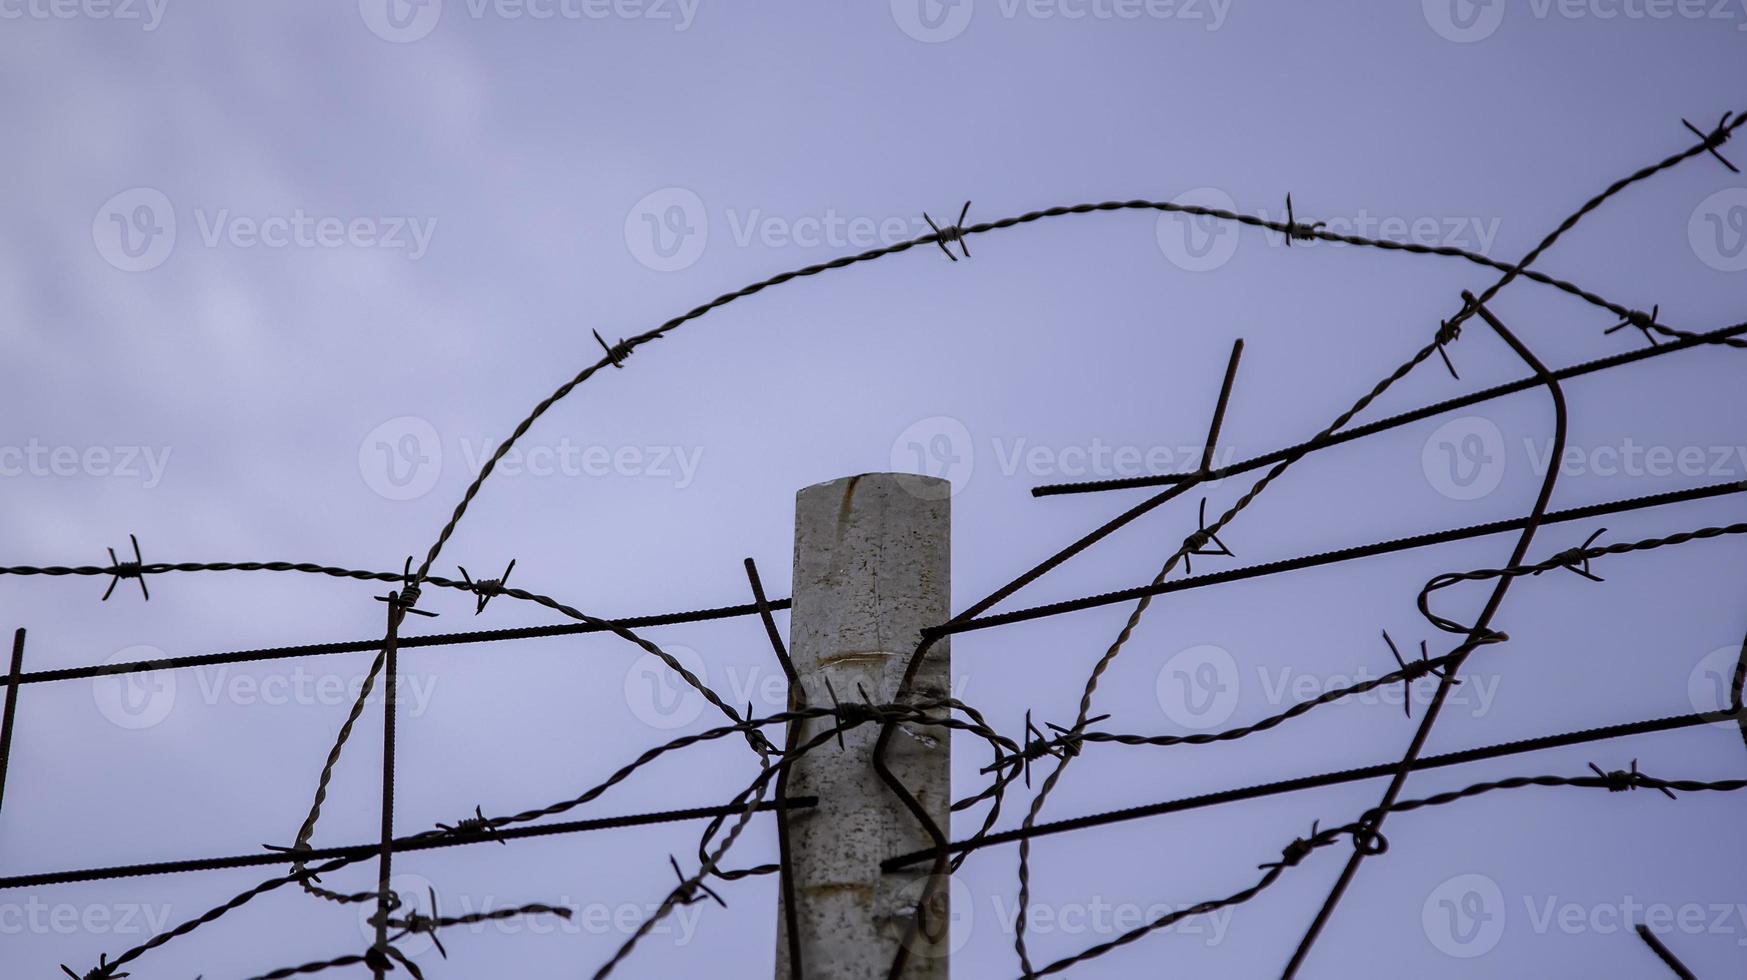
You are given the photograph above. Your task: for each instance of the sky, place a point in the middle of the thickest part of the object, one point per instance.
(275, 278)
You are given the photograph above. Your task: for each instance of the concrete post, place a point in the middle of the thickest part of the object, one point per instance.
(872, 567)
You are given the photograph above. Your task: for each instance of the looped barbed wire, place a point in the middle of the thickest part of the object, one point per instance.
(1564, 559)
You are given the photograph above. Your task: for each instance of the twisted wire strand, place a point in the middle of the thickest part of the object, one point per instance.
(849, 715)
(1561, 560)
(1481, 633)
(846, 716)
(1322, 780)
(1471, 306)
(1391, 546)
(422, 841)
(615, 356)
(1394, 421)
(1362, 830)
(1414, 671)
(1133, 622)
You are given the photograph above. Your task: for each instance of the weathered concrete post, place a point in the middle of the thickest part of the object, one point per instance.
(872, 567)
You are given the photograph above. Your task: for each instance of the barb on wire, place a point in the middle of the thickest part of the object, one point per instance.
(420, 923)
(954, 232)
(1720, 336)
(1449, 331)
(486, 589)
(692, 891)
(1293, 229)
(1037, 746)
(408, 596)
(1569, 558)
(1622, 780)
(102, 971)
(1197, 543)
(617, 353)
(1645, 323)
(119, 570)
(1420, 668)
(476, 824)
(1367, 840)
(1714, 139)
(1576, 560)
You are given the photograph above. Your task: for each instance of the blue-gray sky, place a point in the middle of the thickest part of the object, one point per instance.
(274, 276)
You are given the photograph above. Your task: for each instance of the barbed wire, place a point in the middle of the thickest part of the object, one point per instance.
(1012, 760)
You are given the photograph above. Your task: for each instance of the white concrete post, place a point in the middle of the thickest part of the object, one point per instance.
(872, 568)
